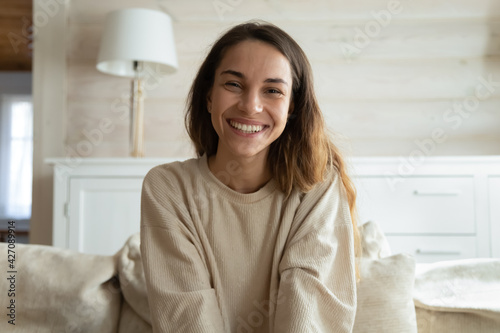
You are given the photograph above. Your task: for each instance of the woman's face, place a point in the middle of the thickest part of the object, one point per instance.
(250, 98)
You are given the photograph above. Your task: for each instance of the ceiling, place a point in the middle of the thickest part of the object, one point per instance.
(15, 36)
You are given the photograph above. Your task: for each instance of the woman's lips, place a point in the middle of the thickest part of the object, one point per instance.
(246, 127)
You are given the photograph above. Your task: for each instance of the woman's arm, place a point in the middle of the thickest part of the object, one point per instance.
(317, 291)
(181, 297)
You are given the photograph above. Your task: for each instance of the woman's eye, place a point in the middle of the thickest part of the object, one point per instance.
(232, 85)
(274, 91)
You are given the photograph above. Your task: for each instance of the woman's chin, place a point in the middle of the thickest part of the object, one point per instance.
(248, 152)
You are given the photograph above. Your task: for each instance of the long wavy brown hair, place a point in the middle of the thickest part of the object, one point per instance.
(304, 152)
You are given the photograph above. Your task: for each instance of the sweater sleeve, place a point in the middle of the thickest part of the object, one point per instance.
(317, 288)
(181, 297)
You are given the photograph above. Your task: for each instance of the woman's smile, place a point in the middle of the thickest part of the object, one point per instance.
(244, 127)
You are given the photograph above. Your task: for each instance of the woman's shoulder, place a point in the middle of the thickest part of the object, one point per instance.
(175, 166)
(328, 189)
(331, 179)
(173, 173)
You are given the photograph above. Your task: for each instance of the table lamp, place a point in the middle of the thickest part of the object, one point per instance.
(135, 39)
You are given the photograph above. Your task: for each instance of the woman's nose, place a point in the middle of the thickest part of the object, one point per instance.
(251, 102)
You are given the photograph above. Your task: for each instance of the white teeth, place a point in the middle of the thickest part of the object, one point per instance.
(246, 128)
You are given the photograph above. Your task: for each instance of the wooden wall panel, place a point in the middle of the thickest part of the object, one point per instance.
(331, 42)
(400, 119)
(406, 148)
(395, 91)
(325, 10)
(401, 79)
(85, 81)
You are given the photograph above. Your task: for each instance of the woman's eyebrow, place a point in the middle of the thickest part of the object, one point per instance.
(232, 72)
(242, 76)
(276, 80)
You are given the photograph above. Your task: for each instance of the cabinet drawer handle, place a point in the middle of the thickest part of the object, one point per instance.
(437, 193)
(433, 253)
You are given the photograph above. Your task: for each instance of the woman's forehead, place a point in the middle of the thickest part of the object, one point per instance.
(255, 58)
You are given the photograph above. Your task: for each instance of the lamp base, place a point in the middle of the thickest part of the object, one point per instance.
(137, 119)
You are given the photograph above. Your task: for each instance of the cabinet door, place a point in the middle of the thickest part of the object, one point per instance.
(103, 213)
(494, 204)
(418, 205)
(434, 248)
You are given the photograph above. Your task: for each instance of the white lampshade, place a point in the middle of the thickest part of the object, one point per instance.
(137, 34)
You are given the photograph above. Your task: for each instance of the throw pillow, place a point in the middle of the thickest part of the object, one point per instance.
(373, 241)
(385, 303)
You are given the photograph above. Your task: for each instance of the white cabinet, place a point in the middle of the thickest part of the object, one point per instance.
(444, 209)
(97, 202)
(494, 205)
(441, 209)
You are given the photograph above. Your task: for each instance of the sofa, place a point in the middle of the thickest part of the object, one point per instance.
(48, 289)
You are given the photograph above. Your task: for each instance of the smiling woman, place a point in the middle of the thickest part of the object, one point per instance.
(258, 233)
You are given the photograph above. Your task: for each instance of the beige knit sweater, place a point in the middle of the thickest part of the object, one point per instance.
(216, 260)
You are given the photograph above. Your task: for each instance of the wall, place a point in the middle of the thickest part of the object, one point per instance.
(387, 72)
(15, 83)
(397, 78)
(49, 110)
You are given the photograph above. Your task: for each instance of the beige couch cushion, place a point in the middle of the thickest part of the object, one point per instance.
(433, 321)
(385, 302)
(460, 296)
(61, 291)
(135, 310)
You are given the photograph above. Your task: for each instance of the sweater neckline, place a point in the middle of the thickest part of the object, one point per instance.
(229, 193)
